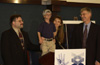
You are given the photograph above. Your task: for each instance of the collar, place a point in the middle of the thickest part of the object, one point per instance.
(87, 24)
(16, 30)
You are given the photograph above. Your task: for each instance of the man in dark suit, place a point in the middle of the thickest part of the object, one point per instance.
(87, 35)
(15, 43)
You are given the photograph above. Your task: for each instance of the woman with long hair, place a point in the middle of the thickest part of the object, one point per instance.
(59, 35)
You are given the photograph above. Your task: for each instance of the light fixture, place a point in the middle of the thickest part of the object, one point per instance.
(46, 2)
(16, 1)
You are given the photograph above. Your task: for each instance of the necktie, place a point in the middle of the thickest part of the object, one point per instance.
(84, 37)
(21, 39)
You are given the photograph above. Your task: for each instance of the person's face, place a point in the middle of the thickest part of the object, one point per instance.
(18, 23)
(57, 22)
(47, 16)
(85, 16)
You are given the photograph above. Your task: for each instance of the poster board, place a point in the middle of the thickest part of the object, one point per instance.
(70, 57)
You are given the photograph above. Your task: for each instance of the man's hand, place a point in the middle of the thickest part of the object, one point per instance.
(41, 40)
(97, 63)
(54, 40)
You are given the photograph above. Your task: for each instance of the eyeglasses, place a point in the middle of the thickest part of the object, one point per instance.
(83, 14)
(20, 20)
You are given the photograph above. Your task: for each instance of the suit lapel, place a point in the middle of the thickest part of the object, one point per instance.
(15, 36)
(24, 38)
(90, 32)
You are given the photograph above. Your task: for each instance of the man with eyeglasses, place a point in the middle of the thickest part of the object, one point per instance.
(87, 35)
(15, 43)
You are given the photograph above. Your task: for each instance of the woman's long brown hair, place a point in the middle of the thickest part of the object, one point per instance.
(60, 32)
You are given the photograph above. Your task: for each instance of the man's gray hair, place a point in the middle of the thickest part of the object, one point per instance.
(46, 11)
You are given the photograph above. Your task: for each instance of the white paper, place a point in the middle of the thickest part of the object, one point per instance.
(70, 57)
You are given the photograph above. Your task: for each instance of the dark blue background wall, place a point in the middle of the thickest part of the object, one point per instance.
(32, 16)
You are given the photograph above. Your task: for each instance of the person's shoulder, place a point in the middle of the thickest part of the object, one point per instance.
(24, 32)
(79, 25)
(42, 23)
(52, 23)
(6, 32)
(95, 25)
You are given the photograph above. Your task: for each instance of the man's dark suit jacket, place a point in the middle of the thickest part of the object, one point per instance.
(92, 43)
(11, 49)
